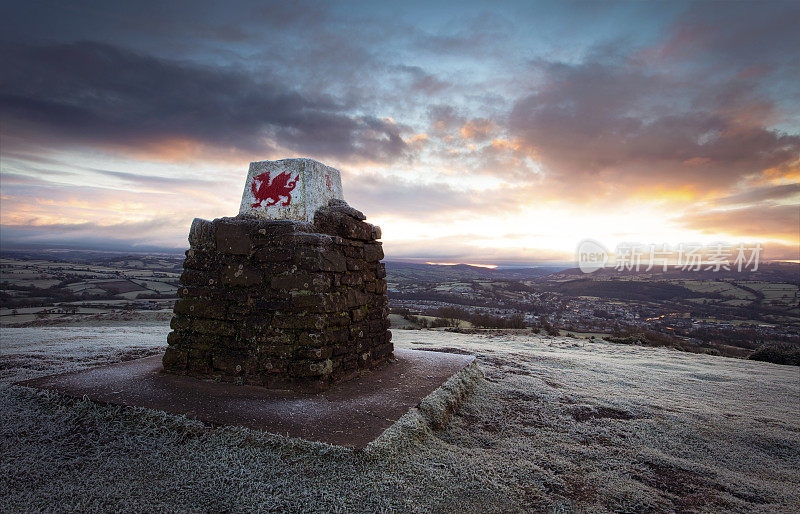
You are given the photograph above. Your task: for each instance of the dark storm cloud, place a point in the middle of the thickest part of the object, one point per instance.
(694, 110)
(95, 93)
(734, 34)
(280, 14)
(626, 124)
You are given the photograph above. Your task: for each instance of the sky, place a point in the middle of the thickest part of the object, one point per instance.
(492, 133)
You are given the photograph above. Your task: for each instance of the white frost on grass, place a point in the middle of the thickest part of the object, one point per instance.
(32, 352)
(557, 424)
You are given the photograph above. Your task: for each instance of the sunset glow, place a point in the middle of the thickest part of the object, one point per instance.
(496, 136)
(488, 266)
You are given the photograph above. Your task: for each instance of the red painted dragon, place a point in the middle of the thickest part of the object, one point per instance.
(281, 186)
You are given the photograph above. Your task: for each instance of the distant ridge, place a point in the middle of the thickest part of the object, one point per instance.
(767, 271)
(467, 272)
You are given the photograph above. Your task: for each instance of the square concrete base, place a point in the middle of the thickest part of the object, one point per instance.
(350, 414)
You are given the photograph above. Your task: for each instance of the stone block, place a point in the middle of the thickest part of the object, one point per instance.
(233, 238)
(309, 368)
(273, 254)
(329, 221)
(314, 282)
(240, 275)
(191, 277)
(373, 252)
(201, 234)
(212, 327)
(341, 206)
(175, 359)
(234, 363)
(200, 308)
(321, 259)
(289, 189)
(199, 362)
(318, 302)
(316, 353)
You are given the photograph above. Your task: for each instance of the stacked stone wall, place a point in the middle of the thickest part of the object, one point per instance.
(281, 303)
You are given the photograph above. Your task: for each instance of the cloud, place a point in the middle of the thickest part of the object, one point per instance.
(762, 222)
(465, 248)
(478, 129)
(378, 195)
(155, 180)
(761, 194)
(614, 128)
(98, 94)
(154, 233)
(738, 35)
(422, 81)
(444, 119)
(457, 115)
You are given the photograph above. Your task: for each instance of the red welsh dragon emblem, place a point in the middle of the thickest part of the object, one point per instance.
(274, 191)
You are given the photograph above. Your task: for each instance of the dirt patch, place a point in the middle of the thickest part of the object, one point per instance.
(578, 489)
(458, 351)
(522, 372)
(500, 362)
(522, 396)
(487, 425)
(587, 412)
(138, 353)
(685, 489)
(552, 384)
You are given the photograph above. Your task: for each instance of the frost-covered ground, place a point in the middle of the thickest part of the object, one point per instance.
(558, 425)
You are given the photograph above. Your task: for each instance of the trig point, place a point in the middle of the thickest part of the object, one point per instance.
(290, 189)
(276, 306)
(291, 292)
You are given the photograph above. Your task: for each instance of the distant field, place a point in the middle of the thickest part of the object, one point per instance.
(36, 282)
(783, 293)
(624, 289)
(725, 289)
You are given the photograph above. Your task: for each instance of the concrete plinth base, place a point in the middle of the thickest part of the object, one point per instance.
(351, 414)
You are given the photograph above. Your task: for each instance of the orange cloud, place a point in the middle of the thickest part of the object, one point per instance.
(478, 129)
(774, 222)
(182, 150)
(662, 194)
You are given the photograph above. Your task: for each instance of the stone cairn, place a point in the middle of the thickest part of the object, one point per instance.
(297, 301)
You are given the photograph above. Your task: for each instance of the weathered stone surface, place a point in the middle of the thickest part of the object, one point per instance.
(331, 220)
(341, 206)
(201, 234)
(289, 189)
(240, 275)
(233, 238)
(373, 252)
(281, 303)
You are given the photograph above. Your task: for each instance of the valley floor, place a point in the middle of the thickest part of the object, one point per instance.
(558, 424)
